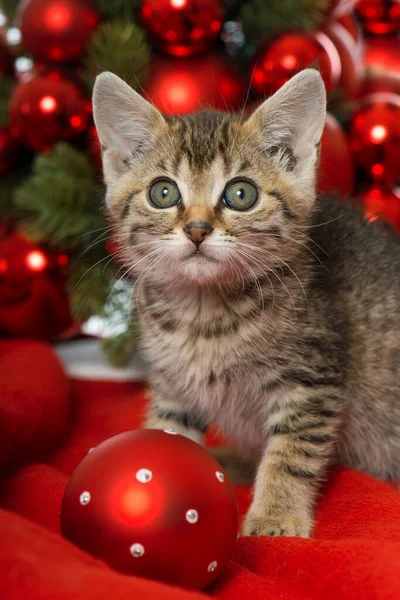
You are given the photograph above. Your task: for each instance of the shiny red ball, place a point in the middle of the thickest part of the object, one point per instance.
(336, 167)
(49, 107)
(379, 17)
(57, 31)
(182, 27)
(375, 138)
(290, 53)
(33, 299)
(153, 504)
(382, 55)
(382, 203)
(181, 86)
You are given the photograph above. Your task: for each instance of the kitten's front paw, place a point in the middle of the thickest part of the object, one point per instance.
(286, 525)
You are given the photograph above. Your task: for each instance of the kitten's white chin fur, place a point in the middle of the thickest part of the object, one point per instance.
(200, 267)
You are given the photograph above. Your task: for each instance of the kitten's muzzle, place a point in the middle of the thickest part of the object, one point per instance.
(197, 231)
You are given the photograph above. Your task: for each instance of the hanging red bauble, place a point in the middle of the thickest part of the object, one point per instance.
(382, 203)
(10, 150)
(336, 170)
(290, 53)
(154, 504)
(49, 107)
(181, 86)
(382, 55)
(352, 65)
(375, 137)
(182, 27)
(378, 17)
(57, 30)
(33, 301)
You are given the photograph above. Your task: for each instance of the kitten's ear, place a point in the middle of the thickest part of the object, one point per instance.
(292, 120)
(124, 122)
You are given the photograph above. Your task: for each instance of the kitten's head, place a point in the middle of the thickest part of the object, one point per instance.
(210, 198)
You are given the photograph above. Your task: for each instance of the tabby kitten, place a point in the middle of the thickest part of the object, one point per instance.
(264, 311)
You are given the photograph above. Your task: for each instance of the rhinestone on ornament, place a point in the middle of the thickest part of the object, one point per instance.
(144, 475)
(84, 498)
(220, 476)
(212, 566)
(137, 550)
(170, 431)
(192, 516)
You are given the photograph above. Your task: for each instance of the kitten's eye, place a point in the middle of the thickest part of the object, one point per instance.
(240, 195)
(164, 194)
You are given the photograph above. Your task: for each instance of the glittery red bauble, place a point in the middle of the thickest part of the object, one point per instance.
(153, 504)
(379, 17)
(57, 30)
(33, 301)
(351, 60)
(290, 53)
(336, 170)
(10, 150)
(375, 137)
(382, 203)
(49, 107)
(182, 27)
(181, 86)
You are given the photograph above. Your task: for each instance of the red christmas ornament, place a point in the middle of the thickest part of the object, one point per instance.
(379, 17)
(336, 170)
(290, 53)
(352, 65)
(350, 23)
(382, 55)
(337, 8)
(10, 150)
(33, 301)
(382, 203)
(57, 30)
(375, 137)
(49, 107)
(182, 86)
(182, 27)
(154, 504)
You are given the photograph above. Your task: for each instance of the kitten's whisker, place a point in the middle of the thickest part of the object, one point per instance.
(88, 271)
(94, 231)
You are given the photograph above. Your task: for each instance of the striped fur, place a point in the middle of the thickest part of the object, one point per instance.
(285, 330)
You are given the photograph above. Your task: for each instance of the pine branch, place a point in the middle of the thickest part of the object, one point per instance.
(119, 9)
(262, 19)
(120, 47)
(61, 201)
(9, 8)
(6, 86)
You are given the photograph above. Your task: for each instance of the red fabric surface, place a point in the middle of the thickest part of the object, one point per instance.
(355, 551)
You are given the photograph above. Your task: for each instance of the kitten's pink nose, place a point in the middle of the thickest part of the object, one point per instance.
(197, 231)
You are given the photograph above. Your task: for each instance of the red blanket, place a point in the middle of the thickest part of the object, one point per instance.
(47, 425)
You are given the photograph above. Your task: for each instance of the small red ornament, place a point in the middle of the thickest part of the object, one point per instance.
(375, 137)
(182, 27)
(154, 504)
(352, 65)
(10, 150)
(336, 168)
(379, 17)
(350, 23)
(33, 301)
(57, 31)
(185, 85)
(382, 203)
(290, 53)
(49, 107)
